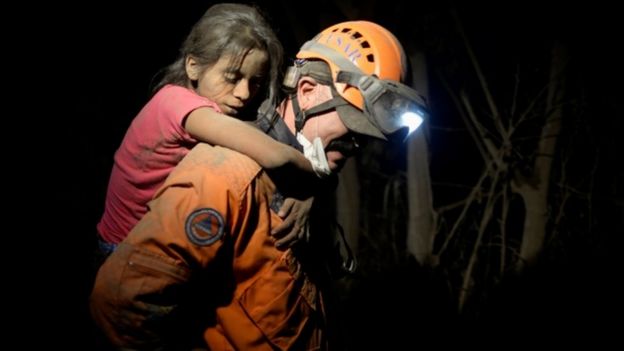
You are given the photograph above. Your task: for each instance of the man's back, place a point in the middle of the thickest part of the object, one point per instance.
(208, 228)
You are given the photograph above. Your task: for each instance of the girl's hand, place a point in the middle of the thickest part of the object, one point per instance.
(295, 226)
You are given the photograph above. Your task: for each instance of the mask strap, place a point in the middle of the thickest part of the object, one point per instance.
(326, 106)
(318, 121)
(301, 116)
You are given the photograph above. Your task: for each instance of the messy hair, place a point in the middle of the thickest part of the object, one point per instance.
(232, 30)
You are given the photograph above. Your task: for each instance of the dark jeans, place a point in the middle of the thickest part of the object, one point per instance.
(103, 249)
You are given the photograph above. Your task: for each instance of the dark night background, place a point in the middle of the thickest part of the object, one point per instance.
(105, 55)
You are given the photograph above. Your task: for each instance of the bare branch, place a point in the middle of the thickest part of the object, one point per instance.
(503, 228)
(477, 67)
(483, 133)
(449, 207)
(532, 105)
(469, 200)
(469, 126)
(485, 220)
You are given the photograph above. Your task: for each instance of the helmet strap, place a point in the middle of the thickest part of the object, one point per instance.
(333, 55)
(300, 115)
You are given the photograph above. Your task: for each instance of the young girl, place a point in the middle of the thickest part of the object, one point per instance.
(225, 60)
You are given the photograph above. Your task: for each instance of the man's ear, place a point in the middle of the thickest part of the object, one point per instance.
(192, 68)
(306, 89)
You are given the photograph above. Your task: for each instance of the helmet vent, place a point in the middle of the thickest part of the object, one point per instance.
(344, 30)
(370, 58)
(356, 35)
(365, 45)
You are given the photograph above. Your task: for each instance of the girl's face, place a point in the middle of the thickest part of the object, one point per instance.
(229, 87)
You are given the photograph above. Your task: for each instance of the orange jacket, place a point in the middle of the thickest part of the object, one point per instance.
(204, 252)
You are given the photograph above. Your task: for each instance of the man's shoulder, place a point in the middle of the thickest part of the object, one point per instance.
(230, 167)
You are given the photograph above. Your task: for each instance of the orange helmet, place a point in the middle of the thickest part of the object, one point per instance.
(367, 65)
(371, 47)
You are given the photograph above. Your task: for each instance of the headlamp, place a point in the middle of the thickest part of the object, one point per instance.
(389, 105)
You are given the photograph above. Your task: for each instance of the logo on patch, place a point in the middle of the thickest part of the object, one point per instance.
(204, 226)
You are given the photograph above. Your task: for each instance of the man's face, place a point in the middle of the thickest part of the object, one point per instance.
(330, 129)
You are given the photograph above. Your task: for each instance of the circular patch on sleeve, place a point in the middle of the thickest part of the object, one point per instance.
(204, 226)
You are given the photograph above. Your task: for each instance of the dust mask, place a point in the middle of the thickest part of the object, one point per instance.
(315, 153)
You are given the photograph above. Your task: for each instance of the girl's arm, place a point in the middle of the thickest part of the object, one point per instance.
(207, 125)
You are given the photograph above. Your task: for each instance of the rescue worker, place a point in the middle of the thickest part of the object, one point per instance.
(200, 269)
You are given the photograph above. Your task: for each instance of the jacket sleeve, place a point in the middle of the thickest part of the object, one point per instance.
(140, 288)
(135, 293)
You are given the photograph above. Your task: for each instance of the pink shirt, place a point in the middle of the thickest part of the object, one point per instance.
(153, 145)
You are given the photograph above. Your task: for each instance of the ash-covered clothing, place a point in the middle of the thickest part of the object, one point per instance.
(154, 143)
(201, 267)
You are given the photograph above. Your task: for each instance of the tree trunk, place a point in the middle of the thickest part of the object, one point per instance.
(420, 232)
(534, 191)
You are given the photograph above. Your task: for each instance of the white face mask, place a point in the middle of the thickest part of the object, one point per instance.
(315, 153)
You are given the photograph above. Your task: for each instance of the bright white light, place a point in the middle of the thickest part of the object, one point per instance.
(411, 120)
